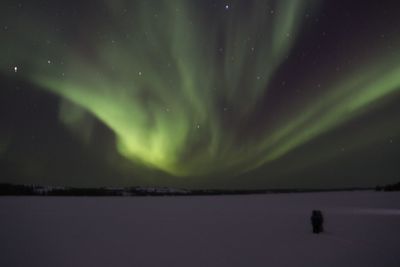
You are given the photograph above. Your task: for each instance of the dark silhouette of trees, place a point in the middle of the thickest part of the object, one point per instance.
(14, 190)
(390, 187)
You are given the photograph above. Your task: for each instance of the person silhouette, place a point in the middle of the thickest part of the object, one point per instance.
(317, 221)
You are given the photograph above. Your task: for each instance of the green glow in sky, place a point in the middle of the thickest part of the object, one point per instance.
(176, 85)
(159, 92)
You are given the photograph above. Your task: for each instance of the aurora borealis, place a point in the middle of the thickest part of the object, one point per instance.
(201, 93)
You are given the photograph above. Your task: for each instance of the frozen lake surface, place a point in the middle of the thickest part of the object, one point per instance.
(362, 229)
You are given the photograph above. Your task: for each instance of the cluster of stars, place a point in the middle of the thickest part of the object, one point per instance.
(49, 62)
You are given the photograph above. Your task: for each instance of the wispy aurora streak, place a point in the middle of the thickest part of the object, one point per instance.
(167, 81)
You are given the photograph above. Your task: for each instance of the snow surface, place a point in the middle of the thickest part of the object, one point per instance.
(362, 229)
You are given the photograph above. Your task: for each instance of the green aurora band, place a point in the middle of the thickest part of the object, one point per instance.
(165, 89)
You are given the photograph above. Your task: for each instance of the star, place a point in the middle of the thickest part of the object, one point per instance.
(226, 6)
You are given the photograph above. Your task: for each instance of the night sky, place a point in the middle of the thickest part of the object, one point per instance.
(211, 94)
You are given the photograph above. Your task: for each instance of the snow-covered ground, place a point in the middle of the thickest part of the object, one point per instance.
(362, 229)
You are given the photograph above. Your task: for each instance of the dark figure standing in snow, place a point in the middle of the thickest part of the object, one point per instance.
(317, 221)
